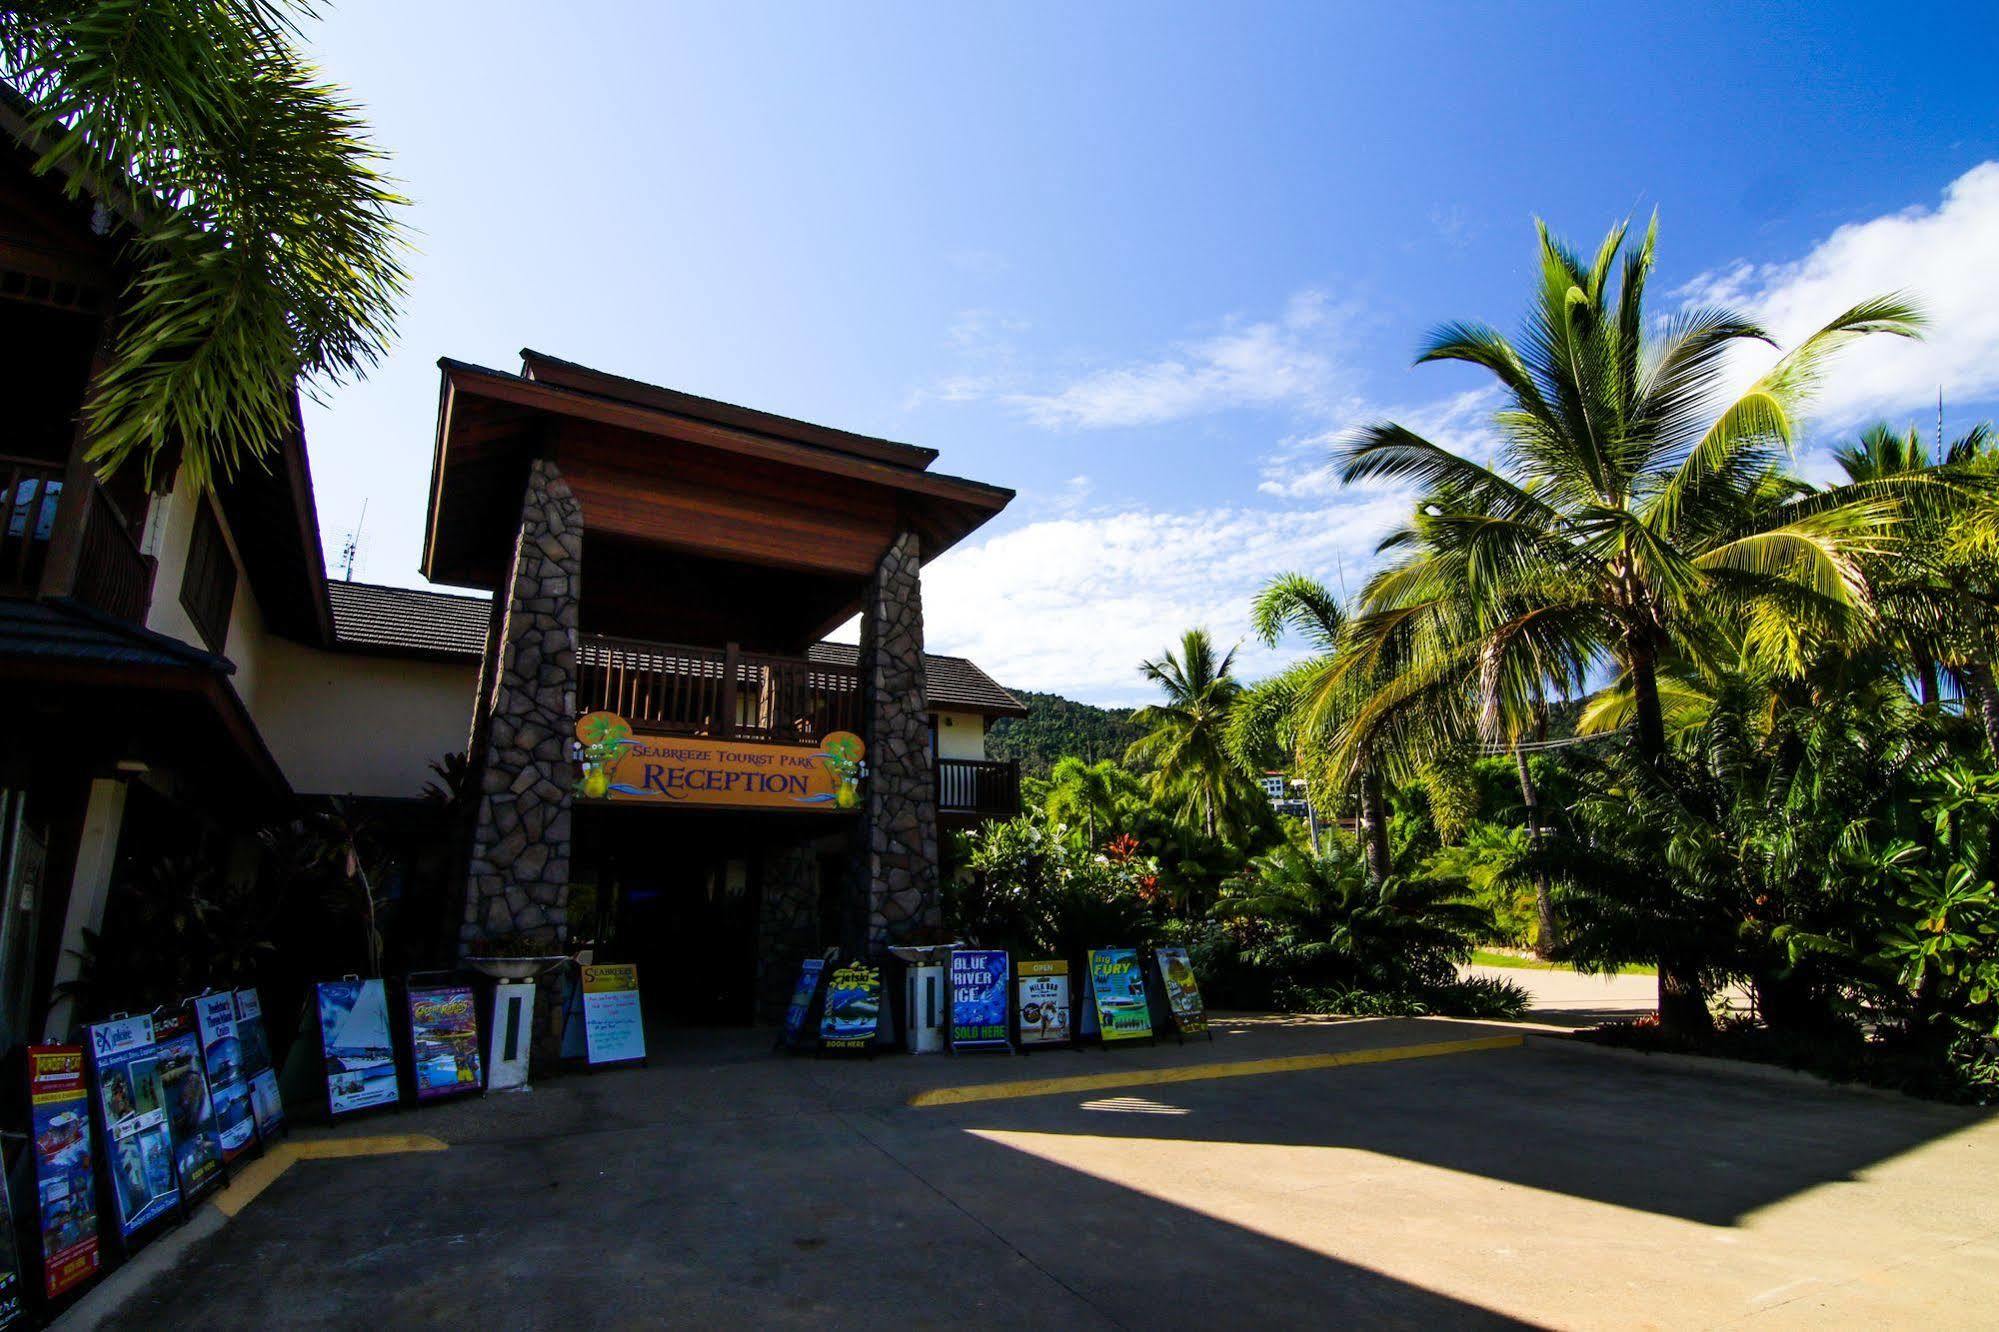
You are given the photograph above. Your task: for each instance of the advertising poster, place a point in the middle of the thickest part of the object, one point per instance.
(354, 1032)
(613, 1029)
(138, 1149)
(853, 1008)
(265, 1102)
(1044, 1003)
(444, 1037)
(228, 1082)
(802, 993)
(1117, 987)
(190, 1108)
(978, 999)
(59, 1105)
(1183, 994)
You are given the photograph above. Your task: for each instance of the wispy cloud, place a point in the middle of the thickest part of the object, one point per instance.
(1301, 468)
(1947, 257)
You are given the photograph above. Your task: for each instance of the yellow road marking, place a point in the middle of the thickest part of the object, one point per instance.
(261, 1173)
(1242, 1068)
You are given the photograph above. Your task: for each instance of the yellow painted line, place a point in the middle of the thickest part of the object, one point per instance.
(263, 1172)
(1241, 1068)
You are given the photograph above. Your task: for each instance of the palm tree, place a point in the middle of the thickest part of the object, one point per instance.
(1634, 507)
(264, 243)
(1084, 796)
(1186, 747)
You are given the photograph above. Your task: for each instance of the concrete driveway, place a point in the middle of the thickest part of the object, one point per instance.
(1537, 1184)
(1565, 998)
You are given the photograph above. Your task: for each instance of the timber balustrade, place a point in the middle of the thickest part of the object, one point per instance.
(725, 692)
(978, 786)
(83, 549)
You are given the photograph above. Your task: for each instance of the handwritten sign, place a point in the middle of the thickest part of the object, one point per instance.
(613, 1029)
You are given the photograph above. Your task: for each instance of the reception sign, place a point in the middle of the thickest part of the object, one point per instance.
(190, 1109)
(613, 1030)
(1183, 993)
(354, 1031)
(978, 999)
(64, 1188)
(228, 1082)
(1044, 1003)
(444, 1040)
(1117, 988)
(134, 1109)
(853, 1008)
(735, 774)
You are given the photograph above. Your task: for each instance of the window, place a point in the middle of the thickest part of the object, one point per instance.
(208, 583)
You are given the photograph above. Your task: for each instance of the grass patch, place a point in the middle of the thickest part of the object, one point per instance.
(1486, 957)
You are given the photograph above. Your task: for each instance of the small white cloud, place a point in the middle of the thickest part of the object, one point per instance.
(1302, 468)
(1946, 257)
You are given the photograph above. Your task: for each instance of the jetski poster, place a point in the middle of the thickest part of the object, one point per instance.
(1117, 988)
(190, 1108)
(65, 1192)
(125, 1063)
(853, 1008)
(228, 1082)
(354, 1031)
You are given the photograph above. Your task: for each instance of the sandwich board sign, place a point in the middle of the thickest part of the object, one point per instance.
(360, 1055)
(1044, 1004)
(65, 1180)
(979, 999)
(228, 1081)
(613, 1030)
(139, 1150)
(853, 1008)
(1117, 990)
(1183, 993)
(802, 995)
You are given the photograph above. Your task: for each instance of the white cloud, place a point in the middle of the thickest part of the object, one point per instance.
(1947, 258)
(1302, 468)
(1074, 604)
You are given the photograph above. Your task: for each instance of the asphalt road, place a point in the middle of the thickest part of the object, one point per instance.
(724, 1187)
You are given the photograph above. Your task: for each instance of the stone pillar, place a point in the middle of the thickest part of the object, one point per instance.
(517, 881)
(787, 925)
(897, 860)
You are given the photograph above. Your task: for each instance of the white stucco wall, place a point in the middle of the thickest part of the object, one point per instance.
(169, 528)
(960, 735)
(344, 724)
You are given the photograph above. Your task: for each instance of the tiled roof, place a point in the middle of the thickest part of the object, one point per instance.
(371, 618)
(951, 682)
(412, 620)
(52, 631)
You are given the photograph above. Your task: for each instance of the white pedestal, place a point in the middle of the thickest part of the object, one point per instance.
(512, 1036)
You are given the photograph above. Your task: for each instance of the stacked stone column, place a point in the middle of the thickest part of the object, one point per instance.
(787, 925)
(896, 852)
(518, 879)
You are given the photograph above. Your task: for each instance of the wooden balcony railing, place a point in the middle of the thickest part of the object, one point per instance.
(986, 787)
(727, 693)
(97, 561)
(112, 573)
(27, 522)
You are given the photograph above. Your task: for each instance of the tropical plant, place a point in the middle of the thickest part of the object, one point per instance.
(1185, 749)
(1084, 799)
(1637, 514)
(264, 239)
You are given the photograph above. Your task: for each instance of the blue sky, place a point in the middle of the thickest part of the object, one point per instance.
(1139, 262)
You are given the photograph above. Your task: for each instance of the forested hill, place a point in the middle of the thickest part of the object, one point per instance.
(1055, 727)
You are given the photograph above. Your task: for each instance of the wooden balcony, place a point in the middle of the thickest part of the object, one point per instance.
(980, 788)
(725, 693)
(65, 538)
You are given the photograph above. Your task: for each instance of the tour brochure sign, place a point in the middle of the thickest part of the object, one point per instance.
(190, 1109)
(1183, 994)
(1044, 1003)
(354, 1032)
(265, 1102)
(228, 1083)
(802, 994)
(978, 999)
(139, 1151)
(444, 1036)
(65, 1195)
(853, 1008)
(613, 1031)
(1117, 988)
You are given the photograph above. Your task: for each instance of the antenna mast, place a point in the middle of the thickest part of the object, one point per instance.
(352, 546)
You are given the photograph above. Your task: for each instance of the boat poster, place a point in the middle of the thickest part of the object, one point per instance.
(1117, 987)
(444, 1039)
(228, 1081)
(265, 1102)
(1044, 1003)
(614, 1031)
(65, 1194)
(354, 1034)
(190, 1108)
(853, 1008)
(802, 994)
(1183, 993)
(138, 1148)
(978, 999)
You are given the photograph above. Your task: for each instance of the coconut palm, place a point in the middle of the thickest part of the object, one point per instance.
(1636, 507)
(1083, 797)
(1186, 745)
(263, 240)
